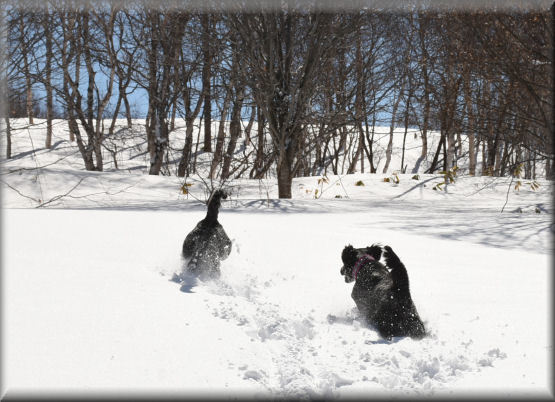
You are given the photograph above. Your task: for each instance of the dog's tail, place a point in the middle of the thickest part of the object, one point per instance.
(214, 203)
(399, 273)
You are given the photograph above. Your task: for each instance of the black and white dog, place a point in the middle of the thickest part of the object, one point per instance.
(208, 243)
(382, 295)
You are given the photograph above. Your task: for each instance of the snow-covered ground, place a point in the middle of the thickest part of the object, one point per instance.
(88, 306)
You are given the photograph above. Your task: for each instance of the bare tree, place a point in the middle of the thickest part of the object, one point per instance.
(24, 42)
(220, 138)
(191, 97)
(317, 84)
(4, 72)
(207, 43)
(124, 59)
(47, 23)
(80, 31)
(284, 53)
(164, 34)
(238, 98)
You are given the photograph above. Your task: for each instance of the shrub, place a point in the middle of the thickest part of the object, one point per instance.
(185, 187)
(448, 178)
(534, 185)
(394, 178)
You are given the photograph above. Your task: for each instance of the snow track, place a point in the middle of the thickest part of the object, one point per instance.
(317, 354)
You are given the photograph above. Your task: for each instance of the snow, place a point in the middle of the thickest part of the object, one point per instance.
(89, 307)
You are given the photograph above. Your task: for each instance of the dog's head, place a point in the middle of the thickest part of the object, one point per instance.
(214, 203)
(351, 255)
(218, 195)
(215, 199)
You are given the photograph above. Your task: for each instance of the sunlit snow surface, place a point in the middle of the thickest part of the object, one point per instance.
(89, 309)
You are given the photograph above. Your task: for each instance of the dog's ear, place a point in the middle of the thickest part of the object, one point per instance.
(375, 250)
(349, 255)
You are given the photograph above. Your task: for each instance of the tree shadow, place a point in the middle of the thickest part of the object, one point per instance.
(471, 224)
(34, 151)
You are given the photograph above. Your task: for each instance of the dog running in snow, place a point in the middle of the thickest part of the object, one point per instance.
(381, 292)
(207, 244)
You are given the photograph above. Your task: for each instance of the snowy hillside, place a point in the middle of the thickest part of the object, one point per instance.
(89, 307)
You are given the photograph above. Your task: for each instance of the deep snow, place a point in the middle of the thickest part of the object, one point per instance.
(88, 305)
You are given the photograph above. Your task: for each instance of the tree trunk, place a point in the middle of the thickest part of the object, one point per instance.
(248, 129)
(362, 151)
(407, 109)
(72, 47)
(492, 153)
(359, 150)
(127, 111)
(340, 147)
(48, 81)
(370, 140)
(391, 129)
(451, 92)
(72, 125)
(157, 141)
(427, 90)
(234, 131)
(358, 109)
(116, 112)
(507, 151)
(70, 117)
(8, 136)
(86, 118)
(85, 150)
(172, 119)
(434, 163)
(259, 160)
(498, 154)
(206, 88)
(318, 159)
(194, 167)
(163, 53)
(528, 166)
(444, 135)
(26, 71)
(182, 168)
(485, 171)
(221, 136)
(424, 132)
(450, 156)
(403, 152)
(285, 179)
(98, 154)
(471, 125)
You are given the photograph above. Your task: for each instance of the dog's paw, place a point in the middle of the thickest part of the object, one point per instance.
(390, 257)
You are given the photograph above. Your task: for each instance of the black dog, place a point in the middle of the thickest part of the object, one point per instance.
(381, 295)
(207, 244)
